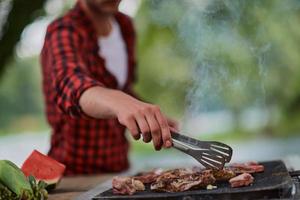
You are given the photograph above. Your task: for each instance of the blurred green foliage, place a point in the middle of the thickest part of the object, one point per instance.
(21, 98)
(244, 53)
(163, 73)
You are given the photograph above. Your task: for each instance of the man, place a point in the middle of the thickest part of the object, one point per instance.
(88, 63)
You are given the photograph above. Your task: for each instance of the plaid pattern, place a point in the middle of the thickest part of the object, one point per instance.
(70, 65)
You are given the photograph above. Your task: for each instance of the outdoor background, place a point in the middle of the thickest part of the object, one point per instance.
(226, 70)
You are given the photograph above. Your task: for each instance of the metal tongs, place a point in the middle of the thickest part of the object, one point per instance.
(211, 154)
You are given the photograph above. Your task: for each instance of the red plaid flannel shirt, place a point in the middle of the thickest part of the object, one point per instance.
(70, 65)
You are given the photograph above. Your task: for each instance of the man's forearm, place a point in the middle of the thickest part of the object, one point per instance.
(137, 116)
(95, 102)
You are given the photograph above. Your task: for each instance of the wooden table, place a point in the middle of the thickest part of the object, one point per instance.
(71, 187)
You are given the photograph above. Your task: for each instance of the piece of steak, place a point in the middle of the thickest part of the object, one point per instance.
(179, 180)
(126, 185)
(220, 174)
(148, 177)
(223, 174)
(241, 180)
(250, 167)
(256, 166)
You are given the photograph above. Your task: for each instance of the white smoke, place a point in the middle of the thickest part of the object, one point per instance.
(230, 47)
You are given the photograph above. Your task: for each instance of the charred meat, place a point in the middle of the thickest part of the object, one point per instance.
(148, 177)
(179, 180)
(182, 179)
(250, 167)
(126, 185)
(223, 175)
(244, 179)
(220, 175)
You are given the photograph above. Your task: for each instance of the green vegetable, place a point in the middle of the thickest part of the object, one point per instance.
(15, 186)
(6, 194)
(13, 178)
(38, 188)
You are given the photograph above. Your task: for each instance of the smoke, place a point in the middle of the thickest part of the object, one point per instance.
(238, 50)
(228, 46)
(228, 64)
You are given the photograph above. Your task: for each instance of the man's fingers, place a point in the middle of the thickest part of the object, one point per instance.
(173, 124)
(132, 127)
(150, 122)
(147, 137)
(143, 127)
(165, 131)
(155, 131)
(173, 129)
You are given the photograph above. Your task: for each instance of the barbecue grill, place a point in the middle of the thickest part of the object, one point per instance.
(274, 183)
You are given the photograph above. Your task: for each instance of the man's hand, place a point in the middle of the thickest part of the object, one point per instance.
(173, 124)
(146, 119)
(137, 116)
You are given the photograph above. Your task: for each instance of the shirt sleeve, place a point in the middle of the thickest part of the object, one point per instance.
(68, 71)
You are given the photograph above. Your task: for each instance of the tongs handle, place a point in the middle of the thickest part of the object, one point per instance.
(187, 141)
(180, 146)
(181, 142)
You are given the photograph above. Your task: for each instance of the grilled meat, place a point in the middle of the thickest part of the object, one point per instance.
(223, 174)
(257, 167)
(250, 167)
(241, 180)
(126, 185)
(179, 180)
(220, 175)
(182, 179)
(148, 177)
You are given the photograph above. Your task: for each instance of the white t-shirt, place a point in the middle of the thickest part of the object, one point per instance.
(113, 50)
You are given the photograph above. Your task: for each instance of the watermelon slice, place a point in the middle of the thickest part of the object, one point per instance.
(43, 168)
